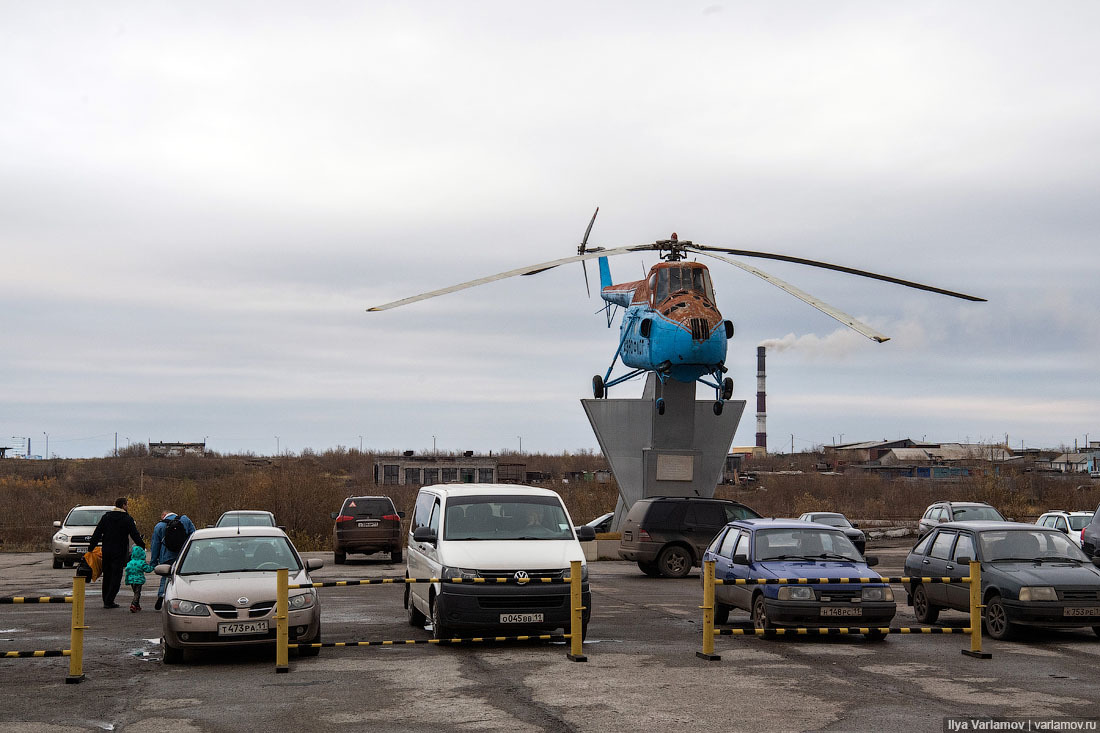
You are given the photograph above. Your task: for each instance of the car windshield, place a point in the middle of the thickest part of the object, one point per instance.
(368, 507)
(1028, 545)
(976, 513)
(246, 519)
(806, 544)
(84, 517)
(833, 520)
(1079, 521)
(506, 518)
(238, 554)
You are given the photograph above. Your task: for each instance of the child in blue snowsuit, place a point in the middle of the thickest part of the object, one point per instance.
(135, 575)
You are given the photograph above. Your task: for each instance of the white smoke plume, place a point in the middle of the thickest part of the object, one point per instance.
(837, 344)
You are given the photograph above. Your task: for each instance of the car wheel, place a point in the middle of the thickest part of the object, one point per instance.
(171, 654)
(1096, 630)
(649, 568)
(925, 612)
(996, 620)
(396, 556)
(760, 618)
(439, 629)
(57, 565)
(311, 651)
(416, 619)
(721, 613)
(674, 562)
(339, 557)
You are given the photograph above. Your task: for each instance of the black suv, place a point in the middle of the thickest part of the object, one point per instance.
(667, 535)
(367, 524)
(1090, 536)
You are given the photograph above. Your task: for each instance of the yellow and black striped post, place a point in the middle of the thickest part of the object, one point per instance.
(282, 633)
(76, 634)
(976, 607)
(576, 614)
(708, 614)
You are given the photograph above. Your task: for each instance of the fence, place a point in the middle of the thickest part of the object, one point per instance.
(282, 606)
(974, 580)
(75, 652)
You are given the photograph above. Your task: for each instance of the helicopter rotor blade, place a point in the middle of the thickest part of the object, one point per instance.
(704, 249)
(805, 297)
(584, 248)
(529, 270)
(584, 266)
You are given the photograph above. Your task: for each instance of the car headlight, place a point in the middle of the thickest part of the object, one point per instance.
(61, 537)
(795, 593)
(884, 593)
(1038, 593)
(464, 573)
(188, 608)
(303, 601)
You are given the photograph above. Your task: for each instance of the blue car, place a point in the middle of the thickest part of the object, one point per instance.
(753, 549)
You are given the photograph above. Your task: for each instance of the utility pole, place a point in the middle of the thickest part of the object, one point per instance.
(47, 455)
(276, 445)
(792, 443)
(360, 443)
(116, 444)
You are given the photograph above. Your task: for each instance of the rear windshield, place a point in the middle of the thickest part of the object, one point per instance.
(1080, 521)
(506, 518)
(368, 507)
(969, 513)
(84, 517)
(245, 520)
(833, 520)
(238, 554)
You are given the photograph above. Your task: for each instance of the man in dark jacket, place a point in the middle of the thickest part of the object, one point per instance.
(115, 530)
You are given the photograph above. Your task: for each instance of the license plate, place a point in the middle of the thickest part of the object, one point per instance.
(521, 618)
(236, 628)
(368, 524)
(78, 550)
(830, 611)
(1078, 611)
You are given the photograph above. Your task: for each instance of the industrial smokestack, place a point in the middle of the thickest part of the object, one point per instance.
(761, 406)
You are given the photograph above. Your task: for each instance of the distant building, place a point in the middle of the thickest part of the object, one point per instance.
(413, 470)
(176, 450)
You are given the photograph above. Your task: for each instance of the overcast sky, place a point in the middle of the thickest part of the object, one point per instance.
(198, 201)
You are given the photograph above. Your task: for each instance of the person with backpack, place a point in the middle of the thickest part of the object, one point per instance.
(169, 537)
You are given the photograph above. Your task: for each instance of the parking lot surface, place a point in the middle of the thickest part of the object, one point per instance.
(642, 672)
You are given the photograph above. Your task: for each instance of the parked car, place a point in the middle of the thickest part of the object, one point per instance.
(493, 531)
(246, 518)
(70, 542)
(759, 549)
(367, 524)
(222, 591)
(1031, 576)
(667, 535)
(956, 511)
(1071, 524)
(601, 523)
(1090, 535)
(835, 519)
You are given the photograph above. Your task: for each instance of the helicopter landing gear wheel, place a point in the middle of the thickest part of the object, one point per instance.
(660, 406)
(717, 408)
(727, 388)
(598, 390)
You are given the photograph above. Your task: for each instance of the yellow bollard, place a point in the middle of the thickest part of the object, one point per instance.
(282, 633)
(76, 634)
(976, 607)
(708, 614)
(576, 618)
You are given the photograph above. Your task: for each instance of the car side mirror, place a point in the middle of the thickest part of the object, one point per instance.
(1063, 530)
(424, 534)
(334, 515)
(739, 560)
(855, 525)
(57, 524)
(400, 515)
(586, 533)
(964, 560)
(314, 563)
(1096, 561)
(871, 561)
(165, 569)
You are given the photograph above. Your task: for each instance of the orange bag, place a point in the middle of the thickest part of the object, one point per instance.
(94, 559)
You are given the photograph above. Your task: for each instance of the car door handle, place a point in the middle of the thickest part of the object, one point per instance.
(926, 562)
(950, 567)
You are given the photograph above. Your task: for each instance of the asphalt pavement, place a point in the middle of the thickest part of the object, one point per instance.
(642, 672)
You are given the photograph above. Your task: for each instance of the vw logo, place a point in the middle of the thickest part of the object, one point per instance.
(242, 601)
(522, 577)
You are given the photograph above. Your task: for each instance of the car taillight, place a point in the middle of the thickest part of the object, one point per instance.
(345, 518)
(643, 536)
(392, 517)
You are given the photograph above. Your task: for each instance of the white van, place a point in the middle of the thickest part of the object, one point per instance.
(492, 531)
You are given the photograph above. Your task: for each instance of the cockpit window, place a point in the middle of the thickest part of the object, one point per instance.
(690, 277)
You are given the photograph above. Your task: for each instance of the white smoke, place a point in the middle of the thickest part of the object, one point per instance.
(837, 344)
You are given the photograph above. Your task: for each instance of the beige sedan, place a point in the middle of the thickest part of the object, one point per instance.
(222, 590)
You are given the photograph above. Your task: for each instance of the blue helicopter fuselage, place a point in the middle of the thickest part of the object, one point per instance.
(671, 325)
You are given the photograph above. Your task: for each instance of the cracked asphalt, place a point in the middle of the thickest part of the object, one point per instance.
(642, 672)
